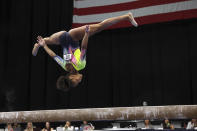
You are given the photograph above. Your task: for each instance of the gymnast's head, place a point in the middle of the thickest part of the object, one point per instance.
(69, 81)
(72, 79)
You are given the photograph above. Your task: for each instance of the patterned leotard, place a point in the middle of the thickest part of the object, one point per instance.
(71, 53)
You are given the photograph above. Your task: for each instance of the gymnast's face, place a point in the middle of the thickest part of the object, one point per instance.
(75, 79)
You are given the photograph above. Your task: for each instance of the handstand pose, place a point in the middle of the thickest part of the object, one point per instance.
(74, 57)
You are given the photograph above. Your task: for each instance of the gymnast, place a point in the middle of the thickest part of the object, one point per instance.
(74, 57)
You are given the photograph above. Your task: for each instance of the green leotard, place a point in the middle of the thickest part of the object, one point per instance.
(78, 60)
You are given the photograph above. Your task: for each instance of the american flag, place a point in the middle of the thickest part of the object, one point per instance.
(144, 11)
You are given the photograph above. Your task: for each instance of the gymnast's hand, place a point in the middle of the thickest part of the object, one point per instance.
(41, 41)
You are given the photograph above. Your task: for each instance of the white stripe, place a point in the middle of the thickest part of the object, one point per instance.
(94, 3)
(159, 9)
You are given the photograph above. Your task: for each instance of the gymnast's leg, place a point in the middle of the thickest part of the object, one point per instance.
(78, 33)
(52, 40)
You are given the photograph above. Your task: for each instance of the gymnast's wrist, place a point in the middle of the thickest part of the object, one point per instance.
(87, 34)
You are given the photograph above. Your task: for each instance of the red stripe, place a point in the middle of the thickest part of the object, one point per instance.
(153, 18)
(121, 7)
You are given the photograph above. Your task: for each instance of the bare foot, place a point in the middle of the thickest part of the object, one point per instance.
(132, 20)
(35, 49)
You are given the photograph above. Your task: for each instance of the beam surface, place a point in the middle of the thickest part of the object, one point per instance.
(94, 114)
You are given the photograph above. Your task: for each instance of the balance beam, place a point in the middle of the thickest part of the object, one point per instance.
(95, 114)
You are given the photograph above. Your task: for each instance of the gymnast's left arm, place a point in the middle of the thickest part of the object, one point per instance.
(83, 54)
(84, 43)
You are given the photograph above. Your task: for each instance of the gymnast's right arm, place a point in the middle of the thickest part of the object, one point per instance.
(58, 59)
(49, 51)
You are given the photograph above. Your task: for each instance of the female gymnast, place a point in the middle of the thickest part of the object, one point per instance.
(74, 57)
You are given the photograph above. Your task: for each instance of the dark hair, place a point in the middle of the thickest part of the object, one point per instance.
(63, 83)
